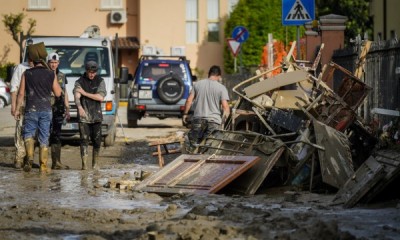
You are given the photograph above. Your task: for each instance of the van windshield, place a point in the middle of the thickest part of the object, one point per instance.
(73, 59)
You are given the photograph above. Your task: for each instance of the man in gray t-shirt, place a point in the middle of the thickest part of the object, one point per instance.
(210, 106)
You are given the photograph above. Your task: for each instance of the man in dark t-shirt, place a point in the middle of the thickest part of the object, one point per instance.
(36, 86)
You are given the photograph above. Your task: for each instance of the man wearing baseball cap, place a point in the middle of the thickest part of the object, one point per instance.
(60, 112)
(89, 92)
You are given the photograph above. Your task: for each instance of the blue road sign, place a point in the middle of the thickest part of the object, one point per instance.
(240, 34)
(297, 12)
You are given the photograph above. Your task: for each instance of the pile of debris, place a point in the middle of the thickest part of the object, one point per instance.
(288, 129)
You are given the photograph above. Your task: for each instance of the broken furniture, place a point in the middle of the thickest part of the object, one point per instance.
(198, 174)
(165, 144)
(299, 127)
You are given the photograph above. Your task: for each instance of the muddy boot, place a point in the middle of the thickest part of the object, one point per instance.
(30, 148)
(18, 164)
(84, 156)
(95, 159)
(35, 144)
(43, 157)
(56, 157)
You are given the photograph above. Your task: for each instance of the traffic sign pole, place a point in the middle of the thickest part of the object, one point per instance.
(239, 35)
(296, 13)
(234, 65)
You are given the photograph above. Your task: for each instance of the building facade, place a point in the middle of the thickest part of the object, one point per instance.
(190, 27)
(386, 19)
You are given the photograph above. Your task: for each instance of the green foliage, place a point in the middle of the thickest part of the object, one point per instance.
(3, 70)
(357, 12)
(260, 17)
(13, 24)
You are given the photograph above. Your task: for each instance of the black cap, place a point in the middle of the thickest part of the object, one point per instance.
(91, 65)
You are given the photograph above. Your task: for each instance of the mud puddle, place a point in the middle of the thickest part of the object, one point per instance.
(69, 189)
(74, 204)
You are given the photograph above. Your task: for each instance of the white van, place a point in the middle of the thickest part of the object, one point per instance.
(74, 52)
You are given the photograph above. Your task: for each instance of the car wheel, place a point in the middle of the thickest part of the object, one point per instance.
(110, 138)
(170, 89)
(2, 103)
(132, 123)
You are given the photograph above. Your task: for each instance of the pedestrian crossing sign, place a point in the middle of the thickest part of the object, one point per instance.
(297, 12)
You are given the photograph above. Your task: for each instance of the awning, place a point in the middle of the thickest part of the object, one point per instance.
(127, 43)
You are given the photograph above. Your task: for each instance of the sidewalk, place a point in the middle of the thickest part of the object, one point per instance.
(7, 122)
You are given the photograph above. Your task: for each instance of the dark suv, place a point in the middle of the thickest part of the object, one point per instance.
(160, 87)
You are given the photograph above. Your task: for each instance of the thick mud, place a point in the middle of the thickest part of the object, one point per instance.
(75, 204)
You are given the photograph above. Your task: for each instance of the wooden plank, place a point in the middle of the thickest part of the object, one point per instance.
(390, 160)
(249, 182)
(366, 176)
(164, 143)
(335, 160)
(318, 58)
(170, 151)
(362, 59)
(277, 81)
(200, 174)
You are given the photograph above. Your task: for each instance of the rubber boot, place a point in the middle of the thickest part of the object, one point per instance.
(84, 156)
(56, 157)
(30, 150)
(43, 157)
(95, 159)
(18, 164)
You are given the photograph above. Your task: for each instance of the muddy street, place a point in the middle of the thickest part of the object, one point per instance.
(75, 204)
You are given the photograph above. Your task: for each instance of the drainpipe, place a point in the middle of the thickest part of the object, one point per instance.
(384, 19)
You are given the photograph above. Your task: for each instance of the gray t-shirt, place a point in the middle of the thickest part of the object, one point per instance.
(207, 101)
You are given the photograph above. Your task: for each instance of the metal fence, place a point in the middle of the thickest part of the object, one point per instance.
(382, 73)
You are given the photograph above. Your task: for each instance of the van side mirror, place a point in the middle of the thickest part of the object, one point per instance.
(123, 75)
(194, 78)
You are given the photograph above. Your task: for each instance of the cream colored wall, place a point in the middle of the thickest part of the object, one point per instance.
(162, 24)
(156, 22)
(66, 18)
(393, 17)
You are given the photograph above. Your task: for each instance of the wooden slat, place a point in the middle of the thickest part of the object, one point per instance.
(390, 160)
(366, 176)
(197, 174)
(335, 160)
(275, 82)
(164, 143)
(249, 182)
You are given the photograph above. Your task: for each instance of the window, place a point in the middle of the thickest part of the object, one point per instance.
(39, 5)
(73, 59)
(213, 20)
(191, 21)
(111, 4)
(231, 5)
(154, 71)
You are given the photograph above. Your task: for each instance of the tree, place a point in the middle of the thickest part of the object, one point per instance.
(260, 17)
(357, 12)
(13, 24)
